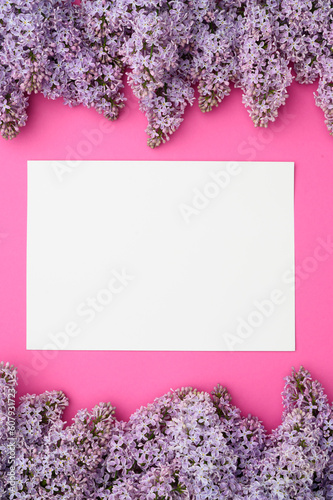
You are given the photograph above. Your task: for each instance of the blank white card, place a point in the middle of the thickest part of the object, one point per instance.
(129, 255)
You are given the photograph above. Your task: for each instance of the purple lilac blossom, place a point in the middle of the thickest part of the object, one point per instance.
(324, 97)
(213, 52)
(160, 33)
(306, 39)
(81, 52)
(57, 462)
(16, 65)
(185, 445)
(301, 39)
(8, 382)
(102, 31)
(85, 67)
(263, 71)
(65, 40)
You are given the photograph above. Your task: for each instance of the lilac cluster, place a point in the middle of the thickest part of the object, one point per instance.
(81, 52)
(263, 74)
(97, 70)
(160, 33)
(8, 382)
(297, 460)
(62, 50)
(19, 66)
(215, 45)
(306, 39)
(186, 444)
(303, 26)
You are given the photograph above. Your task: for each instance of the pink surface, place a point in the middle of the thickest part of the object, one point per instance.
(132, 379)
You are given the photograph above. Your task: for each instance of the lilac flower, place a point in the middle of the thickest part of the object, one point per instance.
(160, 30)
(306, 40)
(53, 461)
(186, 444)
(213, 61)
(301, 38)
(97, 68)
(263, 72)
(8, 382)
(81, 53)
(296, 457)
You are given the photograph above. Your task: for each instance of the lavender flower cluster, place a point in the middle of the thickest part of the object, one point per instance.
(81, 53)
(185, 445)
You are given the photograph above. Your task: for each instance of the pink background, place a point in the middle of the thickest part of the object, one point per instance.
(132, 379)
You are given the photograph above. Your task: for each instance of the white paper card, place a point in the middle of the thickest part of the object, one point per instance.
(195, 256)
